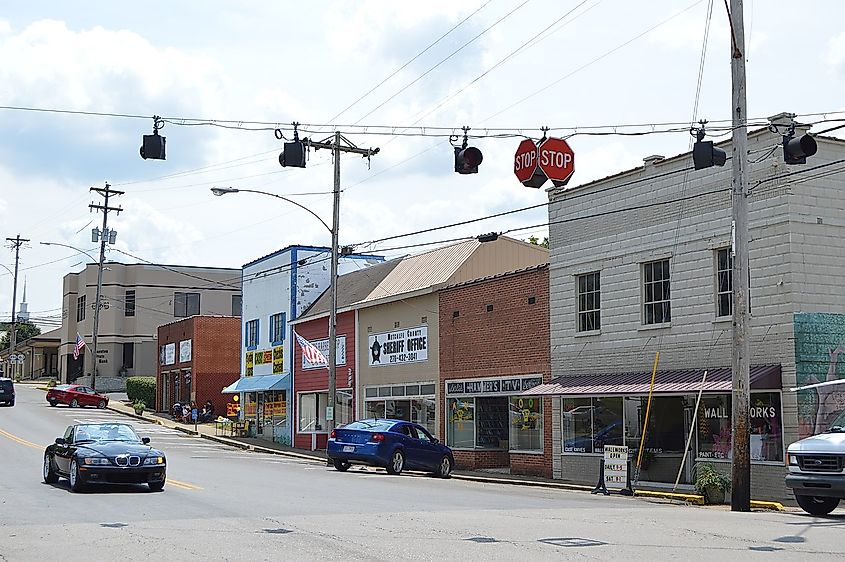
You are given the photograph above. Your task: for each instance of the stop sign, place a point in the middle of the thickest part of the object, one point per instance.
(525, 164)
(556, 160)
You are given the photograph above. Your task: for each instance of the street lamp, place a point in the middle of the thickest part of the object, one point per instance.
(96, 307)
(220, 191)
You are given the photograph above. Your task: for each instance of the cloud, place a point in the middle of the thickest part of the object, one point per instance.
(836, 52)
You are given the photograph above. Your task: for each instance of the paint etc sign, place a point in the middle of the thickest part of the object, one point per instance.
(399, 346)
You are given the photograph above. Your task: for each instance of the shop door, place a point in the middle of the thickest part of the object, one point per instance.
(259, 413)
(689, 464)
(166, 404)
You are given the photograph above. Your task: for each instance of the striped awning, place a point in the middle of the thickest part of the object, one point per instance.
(678, 381)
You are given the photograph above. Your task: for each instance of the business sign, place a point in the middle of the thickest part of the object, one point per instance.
(278, 359)
(505, 386)
(323, 346)
(615, 466)
(250, 361)
(184, 351)
(169, 354)
(399, 346)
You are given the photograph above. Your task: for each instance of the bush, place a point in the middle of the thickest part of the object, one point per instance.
(51, 383)
(141, 388)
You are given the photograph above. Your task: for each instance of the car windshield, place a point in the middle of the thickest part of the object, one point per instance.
(105, 432)
(371, 425)
(838, 425)
(61, 387)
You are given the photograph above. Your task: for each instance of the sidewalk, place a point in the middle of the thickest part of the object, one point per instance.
(207, 431)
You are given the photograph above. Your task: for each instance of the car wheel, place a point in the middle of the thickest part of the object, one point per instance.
(74, 403)
(156, 486)
(817, 505)
(101, 404)
(50, 476)
(76, 483)
(397, 463)
(12, 403)
(444, 469)
(52, 402)
(342, 466)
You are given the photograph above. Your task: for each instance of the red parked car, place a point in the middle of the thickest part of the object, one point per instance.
(75, 395)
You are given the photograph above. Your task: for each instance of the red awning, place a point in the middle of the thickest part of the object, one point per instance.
(679, 381)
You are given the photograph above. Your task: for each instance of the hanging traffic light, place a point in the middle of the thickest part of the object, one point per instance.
(796, 150)
(153, 145)
(467, 158)
(704, 154)
(293, 153)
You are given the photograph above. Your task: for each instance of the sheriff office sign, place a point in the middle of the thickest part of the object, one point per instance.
(399, 346)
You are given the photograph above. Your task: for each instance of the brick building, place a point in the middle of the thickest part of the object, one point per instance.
(198, 357)
(494, 335)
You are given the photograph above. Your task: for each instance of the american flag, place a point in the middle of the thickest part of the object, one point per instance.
(80, 343)
(310, 351)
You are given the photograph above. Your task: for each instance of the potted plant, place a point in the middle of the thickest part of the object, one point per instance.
(139, 406)
(711, 484)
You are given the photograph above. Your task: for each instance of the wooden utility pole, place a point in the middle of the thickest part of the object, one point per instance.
(16, 243)
(740, 398)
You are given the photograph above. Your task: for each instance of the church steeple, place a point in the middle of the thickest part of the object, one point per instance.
(23, 315)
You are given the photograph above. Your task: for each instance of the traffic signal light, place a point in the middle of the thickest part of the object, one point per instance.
(293, 154)
(796, 150)
(705, 155)
(152, 147)
(467, 159)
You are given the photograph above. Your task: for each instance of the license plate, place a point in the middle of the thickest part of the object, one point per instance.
(348, 448)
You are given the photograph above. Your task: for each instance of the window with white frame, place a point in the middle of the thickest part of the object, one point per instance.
(656, 306)
(252, 334)
(724, 282)
(277, 328)
(589, 302)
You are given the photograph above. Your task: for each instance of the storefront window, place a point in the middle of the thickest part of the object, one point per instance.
(375, 409)
(312, 412)
(460, 424)
(343, 407)
(607, 422)
(414, 403)
(526, 427)
(492, 423)
(577, 425)
(665, 432)
(422, 412)
(714, 427)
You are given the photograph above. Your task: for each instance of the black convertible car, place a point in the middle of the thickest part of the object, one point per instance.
(107, 453)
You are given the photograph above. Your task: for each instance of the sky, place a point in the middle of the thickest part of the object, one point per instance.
(398, 76)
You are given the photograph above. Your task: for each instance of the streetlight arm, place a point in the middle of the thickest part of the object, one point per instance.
(70, 247)
(220, 191)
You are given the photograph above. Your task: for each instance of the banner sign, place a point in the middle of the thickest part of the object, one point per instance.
(505, 386)
(399, 346)
(184, 351)
(323, 346)
(615, 471)
(169, 353)
(278, 360)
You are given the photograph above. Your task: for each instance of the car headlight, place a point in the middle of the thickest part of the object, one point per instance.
(154, 460)
(792, 459)
(96, 460)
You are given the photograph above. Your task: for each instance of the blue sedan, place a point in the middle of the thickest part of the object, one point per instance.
(392, 444)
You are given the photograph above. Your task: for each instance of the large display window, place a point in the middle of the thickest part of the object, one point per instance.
(505, 423)
(526, 428)
(714, 427)
(408, 402)
(312, 410)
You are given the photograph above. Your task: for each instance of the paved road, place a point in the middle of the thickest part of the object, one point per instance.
(228, 504)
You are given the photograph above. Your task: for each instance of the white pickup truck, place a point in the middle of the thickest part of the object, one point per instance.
(817, 469)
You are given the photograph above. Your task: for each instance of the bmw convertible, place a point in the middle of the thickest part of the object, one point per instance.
(104, 453)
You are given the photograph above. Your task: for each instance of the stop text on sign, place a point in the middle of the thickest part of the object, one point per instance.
(555, 158)
(525, 160)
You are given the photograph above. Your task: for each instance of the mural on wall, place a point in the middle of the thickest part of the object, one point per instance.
(819, 357)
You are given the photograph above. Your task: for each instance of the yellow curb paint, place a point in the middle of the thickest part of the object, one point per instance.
(20, 441)
(691, 498)
(774, 506)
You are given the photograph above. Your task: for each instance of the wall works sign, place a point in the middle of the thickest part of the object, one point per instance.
(400, 346)
(502, 385)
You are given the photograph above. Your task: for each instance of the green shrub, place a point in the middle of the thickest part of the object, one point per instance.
(141, 388)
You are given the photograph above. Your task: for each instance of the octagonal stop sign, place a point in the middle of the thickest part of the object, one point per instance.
(556, 160)
(525, 165)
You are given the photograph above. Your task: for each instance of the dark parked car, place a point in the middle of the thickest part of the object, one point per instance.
(104, 453)
(75, 395)
(7, 392)
(392, 444)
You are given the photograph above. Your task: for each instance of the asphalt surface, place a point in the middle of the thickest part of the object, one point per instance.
(222, 503)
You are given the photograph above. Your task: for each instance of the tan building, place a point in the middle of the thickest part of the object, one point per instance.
(135, 300)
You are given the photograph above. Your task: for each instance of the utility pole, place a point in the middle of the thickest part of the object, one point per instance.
(740, 400)
(104, 237)
(333, 143)
(16, 243)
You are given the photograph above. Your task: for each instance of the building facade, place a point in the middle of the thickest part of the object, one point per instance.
(198, 357)
(135, 300)
(494, 336)
(641, 265)
(277, 289)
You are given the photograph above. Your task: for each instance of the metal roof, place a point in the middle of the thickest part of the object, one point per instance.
(678, 381)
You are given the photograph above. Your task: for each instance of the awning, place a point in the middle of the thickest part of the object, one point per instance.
(259, 383)
(679, 381)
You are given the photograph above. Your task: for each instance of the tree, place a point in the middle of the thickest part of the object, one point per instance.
(536, 241)
(25, 330)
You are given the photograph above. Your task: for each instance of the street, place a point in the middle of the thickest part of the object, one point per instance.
(222, 503)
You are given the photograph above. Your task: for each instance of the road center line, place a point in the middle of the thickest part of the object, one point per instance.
(20, 441)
